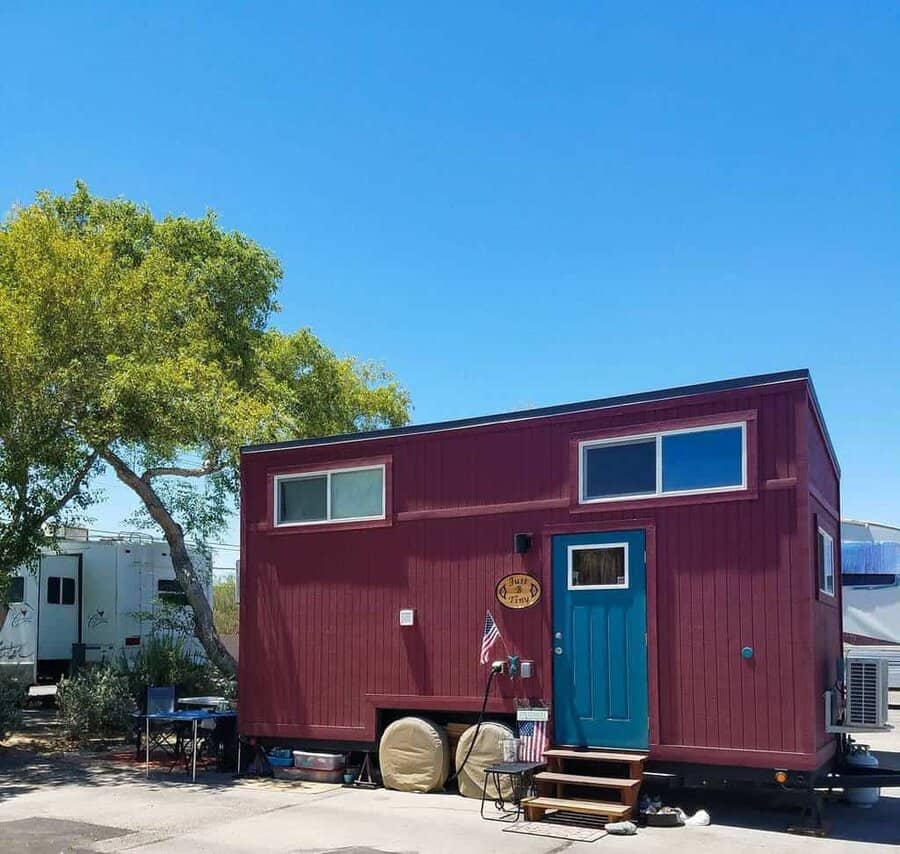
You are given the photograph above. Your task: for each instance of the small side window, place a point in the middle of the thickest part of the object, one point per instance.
(16, 589)
(826, 563)
(336, 495)
(168, 590)
(53, 589)
(68, 591)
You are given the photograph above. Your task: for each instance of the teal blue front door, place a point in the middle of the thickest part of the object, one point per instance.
(600, 640)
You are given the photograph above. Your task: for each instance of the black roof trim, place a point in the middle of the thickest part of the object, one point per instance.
(564, 409)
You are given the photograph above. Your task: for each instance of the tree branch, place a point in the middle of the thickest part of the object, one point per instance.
(72, 491)
(178, 471)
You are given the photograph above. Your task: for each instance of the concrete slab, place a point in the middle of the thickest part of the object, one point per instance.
(165, 814)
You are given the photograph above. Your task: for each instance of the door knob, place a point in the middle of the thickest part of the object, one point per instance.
(557, 650)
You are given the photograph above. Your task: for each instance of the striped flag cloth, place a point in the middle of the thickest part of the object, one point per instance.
(532, 741)
(489, 638)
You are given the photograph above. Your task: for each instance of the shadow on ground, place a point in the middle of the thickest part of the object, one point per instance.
(36, 757)
(53, 835)
(879, 824)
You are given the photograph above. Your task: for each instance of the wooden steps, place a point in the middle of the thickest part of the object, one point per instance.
(536, 807)
(573, 777)
(593, 755)
(584, 780)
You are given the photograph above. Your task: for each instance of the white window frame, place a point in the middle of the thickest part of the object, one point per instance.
(631, 438)
(327, 473)
(597, 547)
(829, 540)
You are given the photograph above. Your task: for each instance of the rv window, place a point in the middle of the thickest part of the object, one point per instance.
(338, 495)
(675, 462)
(16, 589)
(702, 459)
(868, 579)
(68, 591)
(357, 494)
(53, 590)
(826, 563)
(304, 499)
(628, 468)
(169, 591)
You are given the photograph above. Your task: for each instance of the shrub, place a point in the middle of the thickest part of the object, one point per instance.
(12, 698)
(168, 659)
(97, 701)
(225, 606)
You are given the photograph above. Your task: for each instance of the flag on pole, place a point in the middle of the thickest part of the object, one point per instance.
(489, 638)
(532, 740)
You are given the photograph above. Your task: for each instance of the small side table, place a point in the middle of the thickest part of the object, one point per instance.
(521, 775)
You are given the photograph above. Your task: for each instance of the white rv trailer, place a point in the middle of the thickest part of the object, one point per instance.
(85, 591)
(871, 592)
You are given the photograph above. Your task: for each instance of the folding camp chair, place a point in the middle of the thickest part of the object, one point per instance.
(161, 700)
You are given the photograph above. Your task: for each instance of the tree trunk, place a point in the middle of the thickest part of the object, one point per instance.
(4, 610)
(204, 627)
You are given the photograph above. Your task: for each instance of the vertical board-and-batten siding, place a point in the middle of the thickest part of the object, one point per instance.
(322, 648)
(823, 511)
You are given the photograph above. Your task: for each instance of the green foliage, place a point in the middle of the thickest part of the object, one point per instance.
(225, 608)
(167, 619)
(148, 343)
(95, 702)
(12, 698)
(169, 659)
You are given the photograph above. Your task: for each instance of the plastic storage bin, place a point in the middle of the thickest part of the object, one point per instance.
(319, 761)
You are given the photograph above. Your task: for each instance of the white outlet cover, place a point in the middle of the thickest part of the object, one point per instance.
(407, 617)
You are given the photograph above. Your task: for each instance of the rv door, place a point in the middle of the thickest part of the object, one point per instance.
(59, 609)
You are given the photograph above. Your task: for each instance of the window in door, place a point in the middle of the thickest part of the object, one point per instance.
(598, 567)
(60, 591)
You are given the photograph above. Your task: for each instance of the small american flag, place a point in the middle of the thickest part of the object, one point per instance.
(532, 740)
(489, 638)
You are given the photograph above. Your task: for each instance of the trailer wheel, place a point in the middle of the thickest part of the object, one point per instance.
(487, 750)
(414, 756)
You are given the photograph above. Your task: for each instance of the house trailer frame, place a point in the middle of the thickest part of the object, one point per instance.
(369, 560)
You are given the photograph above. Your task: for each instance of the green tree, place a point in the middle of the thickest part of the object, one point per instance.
(225, 609)
(149, 342)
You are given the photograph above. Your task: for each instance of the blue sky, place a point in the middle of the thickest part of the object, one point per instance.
(514, 204)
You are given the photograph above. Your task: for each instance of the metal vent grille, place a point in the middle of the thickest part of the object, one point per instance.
(866, 692)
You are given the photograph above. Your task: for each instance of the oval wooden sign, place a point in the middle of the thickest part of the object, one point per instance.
(518, 590)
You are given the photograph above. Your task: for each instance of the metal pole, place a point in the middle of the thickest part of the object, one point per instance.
(194, 771)
(239, 749)
(147, 745)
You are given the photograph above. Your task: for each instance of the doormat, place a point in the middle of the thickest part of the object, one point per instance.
(556, 831)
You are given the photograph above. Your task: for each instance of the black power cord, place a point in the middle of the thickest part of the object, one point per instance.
(487, 691)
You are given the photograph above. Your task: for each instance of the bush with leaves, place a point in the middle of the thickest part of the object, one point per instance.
(169, 658)
(12, 698)
(225, 606)
(95, 702)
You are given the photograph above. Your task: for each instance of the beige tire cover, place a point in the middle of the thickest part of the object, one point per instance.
(487, 750)
(414, 756)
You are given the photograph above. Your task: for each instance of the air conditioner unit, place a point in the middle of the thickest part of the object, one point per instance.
(867, 692)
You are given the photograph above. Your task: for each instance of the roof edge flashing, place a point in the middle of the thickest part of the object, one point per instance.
(675, 392)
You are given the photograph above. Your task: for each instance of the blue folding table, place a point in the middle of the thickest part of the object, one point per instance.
(192, 716)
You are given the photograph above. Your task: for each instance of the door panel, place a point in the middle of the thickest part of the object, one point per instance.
(58, 613)
(600, 692)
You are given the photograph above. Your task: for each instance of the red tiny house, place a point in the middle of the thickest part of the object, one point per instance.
(726, 569)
